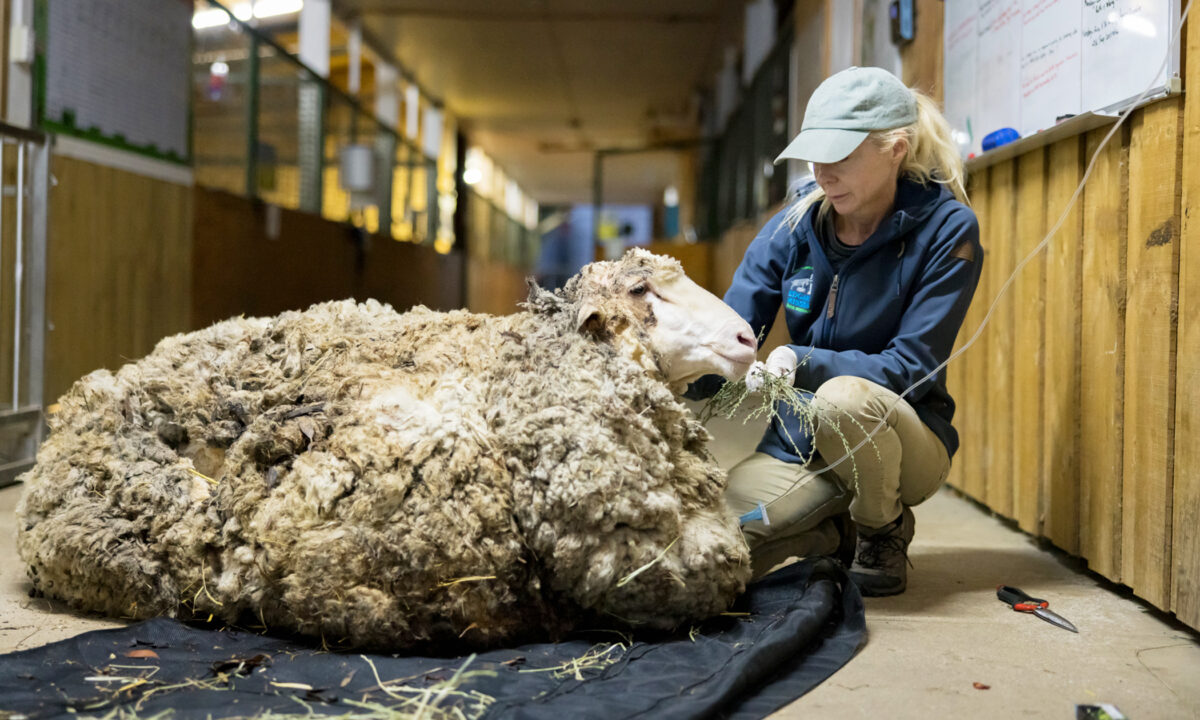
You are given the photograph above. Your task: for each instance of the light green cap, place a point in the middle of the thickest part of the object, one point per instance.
(845, 108)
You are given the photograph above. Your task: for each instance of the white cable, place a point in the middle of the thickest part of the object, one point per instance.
(1124, 115)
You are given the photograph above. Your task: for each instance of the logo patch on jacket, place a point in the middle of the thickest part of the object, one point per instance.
(799, 294)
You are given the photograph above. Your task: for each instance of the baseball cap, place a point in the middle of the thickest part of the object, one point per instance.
(845, 108)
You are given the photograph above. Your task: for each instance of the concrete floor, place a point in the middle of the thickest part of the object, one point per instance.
(930, 650)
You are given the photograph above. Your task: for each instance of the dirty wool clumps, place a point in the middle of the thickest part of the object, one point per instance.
(388, 479)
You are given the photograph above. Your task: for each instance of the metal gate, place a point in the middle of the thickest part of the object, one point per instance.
(24, 194)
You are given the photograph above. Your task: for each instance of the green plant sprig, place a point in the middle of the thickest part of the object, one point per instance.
(775, 392)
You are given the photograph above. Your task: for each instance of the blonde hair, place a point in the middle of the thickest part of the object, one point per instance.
(932, 157)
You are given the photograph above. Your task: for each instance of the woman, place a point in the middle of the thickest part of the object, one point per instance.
(875, 267)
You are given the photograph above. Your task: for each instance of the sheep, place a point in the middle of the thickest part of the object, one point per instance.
(392, 480)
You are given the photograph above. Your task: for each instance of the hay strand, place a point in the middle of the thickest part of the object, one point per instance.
(597, 658)
(626, 580)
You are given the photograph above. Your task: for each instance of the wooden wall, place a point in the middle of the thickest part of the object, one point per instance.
(8, 257)
(133, 259)
(1185, 473)
(118, 268)
(727, 255)
(494, 287)
(239, 269)
(696, 259)
(1079, 404)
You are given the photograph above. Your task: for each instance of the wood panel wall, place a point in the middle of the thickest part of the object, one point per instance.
(133, 259)
(696, 259)
(1063, 321)
(1079, 404)
(241, 269)
(727, 255)
(8, 258)
(494, 287)
(118, 268)
(1185, 492)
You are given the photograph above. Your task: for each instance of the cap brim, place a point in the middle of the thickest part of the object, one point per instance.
(822, 145)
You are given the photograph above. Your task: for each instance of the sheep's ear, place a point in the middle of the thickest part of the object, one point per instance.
(589, 320)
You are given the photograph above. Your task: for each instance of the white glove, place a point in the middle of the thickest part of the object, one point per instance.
(781, 362)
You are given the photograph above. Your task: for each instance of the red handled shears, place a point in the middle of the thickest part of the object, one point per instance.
(1024, 603)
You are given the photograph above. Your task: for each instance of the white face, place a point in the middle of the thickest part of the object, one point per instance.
(694, 332)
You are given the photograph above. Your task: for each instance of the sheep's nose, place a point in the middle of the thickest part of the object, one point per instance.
(735, 341)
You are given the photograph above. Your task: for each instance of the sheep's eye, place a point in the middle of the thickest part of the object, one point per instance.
(637, 290)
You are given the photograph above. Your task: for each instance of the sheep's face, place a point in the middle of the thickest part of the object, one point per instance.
(653, 312)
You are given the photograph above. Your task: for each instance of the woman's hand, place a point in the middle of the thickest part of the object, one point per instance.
(781, 362)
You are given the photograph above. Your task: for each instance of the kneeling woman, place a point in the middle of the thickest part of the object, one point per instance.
(875, 266)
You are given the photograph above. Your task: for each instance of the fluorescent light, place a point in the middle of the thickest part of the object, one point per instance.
(472, 175)
(271, 8)
(215, 17)
(210, 18)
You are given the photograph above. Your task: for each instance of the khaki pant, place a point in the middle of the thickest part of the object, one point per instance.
(903, 464)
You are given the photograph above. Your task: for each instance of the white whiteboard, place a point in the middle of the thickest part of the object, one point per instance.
(1023, 64)
(117, 71)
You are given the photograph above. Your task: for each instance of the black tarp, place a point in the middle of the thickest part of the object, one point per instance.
(799, 626)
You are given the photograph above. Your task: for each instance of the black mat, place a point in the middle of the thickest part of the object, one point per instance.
(802, 624)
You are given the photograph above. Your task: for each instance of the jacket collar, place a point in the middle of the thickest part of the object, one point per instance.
(914, 204)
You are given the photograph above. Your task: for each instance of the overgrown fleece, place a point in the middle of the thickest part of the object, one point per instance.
(388, 480)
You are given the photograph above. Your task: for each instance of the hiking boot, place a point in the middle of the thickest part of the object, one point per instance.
(881, 566)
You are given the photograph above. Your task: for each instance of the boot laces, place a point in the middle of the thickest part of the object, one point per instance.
(874, 550)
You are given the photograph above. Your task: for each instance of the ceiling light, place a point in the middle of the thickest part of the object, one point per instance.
(472, 175)
(216, 17)
(210, 18)
(271, 8)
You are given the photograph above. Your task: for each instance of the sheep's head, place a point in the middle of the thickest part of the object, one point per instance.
(651, 311)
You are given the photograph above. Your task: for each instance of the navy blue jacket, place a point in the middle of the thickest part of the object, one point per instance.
(899, 302)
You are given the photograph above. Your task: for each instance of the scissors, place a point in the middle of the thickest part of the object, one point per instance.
(1024, 603)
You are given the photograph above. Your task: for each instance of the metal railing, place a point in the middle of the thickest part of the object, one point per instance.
(24, 195)
(268, 127)
(496, 237)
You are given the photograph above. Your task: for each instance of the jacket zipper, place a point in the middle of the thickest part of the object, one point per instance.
(829, 306)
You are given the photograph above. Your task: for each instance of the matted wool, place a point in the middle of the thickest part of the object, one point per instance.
(387, 479)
